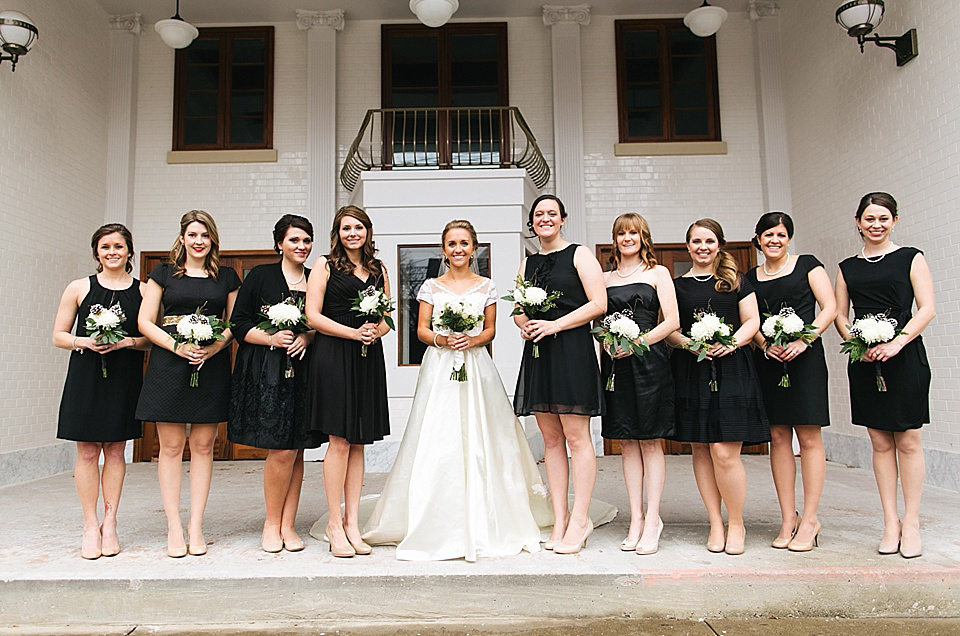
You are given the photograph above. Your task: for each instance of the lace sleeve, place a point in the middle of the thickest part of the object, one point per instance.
(492, 295)
(425, 294)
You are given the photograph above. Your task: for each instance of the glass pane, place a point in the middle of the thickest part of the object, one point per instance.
(246, 104)
(645, 123)
(201, 104)
(690, 95)
(473, 97)
(410, 74)
(202, 78)
(248, 77)
(641, 44)
(689, 69)
(203, 52)
(684, 42)
(690, 123)
(643, 96)
(424, 98)
(198, 131)
(643, 71)
(474, 46)
(249, 50)
(246, 130)
(413, 48)
(474, 74)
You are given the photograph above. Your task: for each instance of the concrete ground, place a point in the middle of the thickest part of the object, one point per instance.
(45, 587)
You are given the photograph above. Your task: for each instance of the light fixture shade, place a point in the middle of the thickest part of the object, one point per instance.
(705, 20)
(176, 33)
(17, 32)
(434, 13)
(860, 17)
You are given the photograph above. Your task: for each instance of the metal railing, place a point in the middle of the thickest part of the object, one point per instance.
(444, 138)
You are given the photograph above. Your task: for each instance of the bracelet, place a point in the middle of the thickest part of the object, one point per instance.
(75, 347)
(435, 343)
(270, 340)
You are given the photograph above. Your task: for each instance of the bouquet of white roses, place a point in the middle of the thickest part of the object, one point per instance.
(199, 330)
(866, 332)
(284, 316)
(531, 300)
(783, 328)
(705, 331)
(619, 332)
(373, 304)
(103, 325)
(456, 316)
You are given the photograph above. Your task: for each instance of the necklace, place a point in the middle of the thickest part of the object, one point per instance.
(303, 272)
(876, 259)
(785, 263)
(702, 278)
(631, 271)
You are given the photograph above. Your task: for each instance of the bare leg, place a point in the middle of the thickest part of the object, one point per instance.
(114, 470)
(886, 472)
(202, 437)
(813, 466)
(655, 468)
(709, 493)
(277, 473)
(86, 476)
(912, 473)
(783, 465)
(335, 464)
(558, 471)
(352, 487)
(633, 478)
(291, 503)
(732, 483)
(583, 459)
(173, 438)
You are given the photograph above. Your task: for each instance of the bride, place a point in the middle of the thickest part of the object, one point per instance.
(464, 483)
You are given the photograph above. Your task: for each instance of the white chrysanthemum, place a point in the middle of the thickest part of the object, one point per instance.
(534, 296)
(106, 319)
(195, 328)
(769, 327)
(625, 327)
(710, 321)
(518, 296)
(792, 324)
(369, 304)
(283, 314)
(723, 329)
(702, 332)
(886, 330)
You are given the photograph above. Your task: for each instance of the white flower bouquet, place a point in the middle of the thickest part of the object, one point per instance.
(619, 332)
(199, 330)
(284, 316)
(708, 329)
(531, 300)
(782, 328)
(866, 332)
(456, 316)
(103, 325)
(373, 304)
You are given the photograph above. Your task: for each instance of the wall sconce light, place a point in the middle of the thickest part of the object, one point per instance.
(17, 35)
(434, 13)
(176, 32)
(860, 17)
(705, 20)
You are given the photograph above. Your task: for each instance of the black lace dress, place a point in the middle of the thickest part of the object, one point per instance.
(347, 392)
(96, 408)
(884, 287)
(565, 379)
(267, 408)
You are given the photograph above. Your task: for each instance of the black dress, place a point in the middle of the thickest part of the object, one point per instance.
(96, 408)
(641, 404)
(565, 379)
(735, 412)
(805, 402)
(167, 395)
(884, 287)
(267, 409)
(347, 394)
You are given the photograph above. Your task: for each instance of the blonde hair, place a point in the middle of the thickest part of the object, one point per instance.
(724, 268)
(178, 253)
(459, 224)
(632, 220)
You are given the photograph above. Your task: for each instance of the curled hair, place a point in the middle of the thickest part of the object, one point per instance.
(882, 199)
(178, 253)
(769, 220)
(459, 224)
(286, 222)
(724, 268)
(338, 258)
(536, 202)
(106, 230)
(627, 221)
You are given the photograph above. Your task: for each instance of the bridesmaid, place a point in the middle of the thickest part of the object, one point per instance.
(639, 410)
(267, 408)
(98, 412)
(562, 387)
(192, 280)
(887, 278)
(799, 282)
(347, 397)
(717, 424)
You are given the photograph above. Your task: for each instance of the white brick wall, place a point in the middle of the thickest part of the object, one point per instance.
(857, 123)
(53, 136)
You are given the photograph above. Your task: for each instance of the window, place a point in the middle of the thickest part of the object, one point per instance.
(223, 90)
(666, 83)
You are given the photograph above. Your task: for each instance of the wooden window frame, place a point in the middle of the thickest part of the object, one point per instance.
(712, 88)
(226, 36)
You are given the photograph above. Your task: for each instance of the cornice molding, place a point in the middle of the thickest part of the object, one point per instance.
(554, 13)
(333, 19)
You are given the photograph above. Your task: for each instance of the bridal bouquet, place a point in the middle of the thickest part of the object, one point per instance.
(103, 325)
(199, 330)
(705, 331)
(531, 300)
(284, 316)
(783, 328)
(456, 316)
(866, 332)
(373, 304)
(619, 331)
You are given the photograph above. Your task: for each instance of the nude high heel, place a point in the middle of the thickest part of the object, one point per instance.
(653, 547)
(563, 548)
(341, 550)
(781, 544)
(806, 546)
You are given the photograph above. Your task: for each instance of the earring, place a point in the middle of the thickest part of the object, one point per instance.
(446, 262)
(471, 260)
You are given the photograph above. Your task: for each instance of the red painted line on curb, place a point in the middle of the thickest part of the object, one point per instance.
(738, 575)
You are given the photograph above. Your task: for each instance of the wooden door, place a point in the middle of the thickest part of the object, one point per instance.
(148, 448)
(676, 258)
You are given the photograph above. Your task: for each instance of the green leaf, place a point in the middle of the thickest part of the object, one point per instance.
(389, 321)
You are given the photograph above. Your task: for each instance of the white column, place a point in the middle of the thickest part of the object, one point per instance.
(565, 23)
(774, 157)
(122, 126)
(321, 28)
